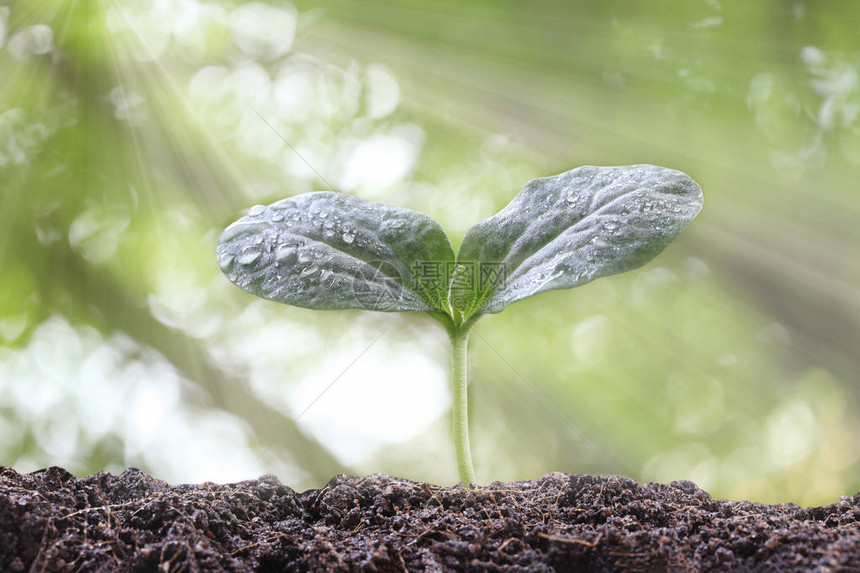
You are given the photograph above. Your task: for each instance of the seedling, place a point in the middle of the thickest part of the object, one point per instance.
(327, 250)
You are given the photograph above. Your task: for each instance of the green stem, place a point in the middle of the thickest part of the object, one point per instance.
(460, 410)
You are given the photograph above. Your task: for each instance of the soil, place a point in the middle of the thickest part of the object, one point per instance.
(53, 521)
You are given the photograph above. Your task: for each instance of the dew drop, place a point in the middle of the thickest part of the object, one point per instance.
(225, 261)
(328, 233)
(309, 271)
(249, 255)
(283, 204)
(286, 254)
(243, 227)
(348, 238)
(323, 214)
(277, 217)
(256, 210)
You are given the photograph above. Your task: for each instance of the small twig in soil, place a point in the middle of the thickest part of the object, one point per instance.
(426, 532)
(508, 541)
(27, 491)
(434, 497)
(105, 508)
(322, 491)
(748, 515)
(357, 528)
(257, 543)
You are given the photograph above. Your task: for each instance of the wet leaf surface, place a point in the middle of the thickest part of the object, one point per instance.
(328, 250)
(564, 231)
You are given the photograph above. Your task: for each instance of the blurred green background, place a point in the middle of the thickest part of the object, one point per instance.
(132, 132)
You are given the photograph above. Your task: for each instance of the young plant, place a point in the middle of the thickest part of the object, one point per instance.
(327, 250)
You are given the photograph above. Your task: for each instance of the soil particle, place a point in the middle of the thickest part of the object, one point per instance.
(53, 521)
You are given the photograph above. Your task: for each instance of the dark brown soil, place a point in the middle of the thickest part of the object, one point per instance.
(52, 521)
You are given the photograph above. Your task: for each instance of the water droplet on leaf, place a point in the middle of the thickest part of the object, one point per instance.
(283, 204)
(309, 271)
(286, 254)
(242, 227)
(225, 261)
(249, 255)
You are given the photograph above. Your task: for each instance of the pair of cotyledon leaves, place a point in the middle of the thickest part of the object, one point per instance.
(327, 250)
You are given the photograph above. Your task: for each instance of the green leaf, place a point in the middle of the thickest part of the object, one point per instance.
(564, 231)
(328, 250)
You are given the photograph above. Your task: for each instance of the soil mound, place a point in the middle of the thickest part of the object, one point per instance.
(53, 521)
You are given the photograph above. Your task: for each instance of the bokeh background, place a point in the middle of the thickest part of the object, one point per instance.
(133, 131)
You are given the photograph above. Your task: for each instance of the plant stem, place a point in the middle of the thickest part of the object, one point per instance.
(460, 409)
